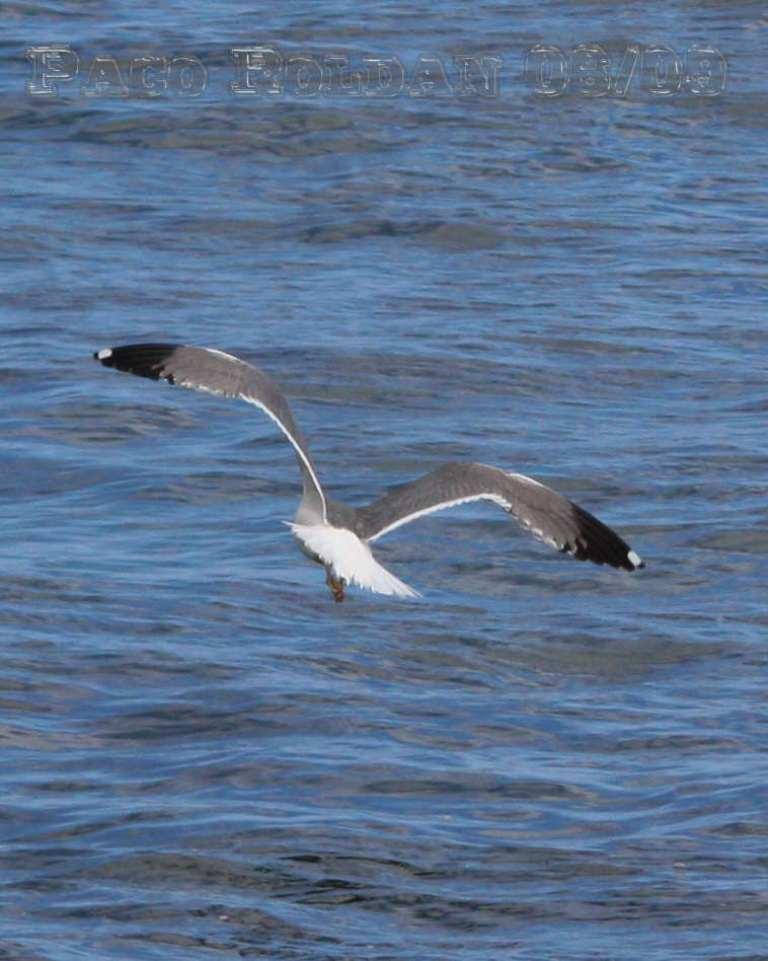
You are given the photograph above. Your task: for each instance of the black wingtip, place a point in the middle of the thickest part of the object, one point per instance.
(600, 544)
(144, 360)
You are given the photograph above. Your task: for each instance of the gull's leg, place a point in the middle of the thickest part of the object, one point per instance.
(336, 585)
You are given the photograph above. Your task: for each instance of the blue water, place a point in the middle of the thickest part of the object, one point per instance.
(202, 755)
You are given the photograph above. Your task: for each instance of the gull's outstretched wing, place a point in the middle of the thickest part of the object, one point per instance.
(548, 515)
(213, 371)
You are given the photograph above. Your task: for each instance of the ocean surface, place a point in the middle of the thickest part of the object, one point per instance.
(532, 235)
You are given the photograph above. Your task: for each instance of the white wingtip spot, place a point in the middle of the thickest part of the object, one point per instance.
(104, 353)
(635, 559)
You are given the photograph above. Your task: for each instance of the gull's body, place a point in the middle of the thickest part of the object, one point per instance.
(337, 535)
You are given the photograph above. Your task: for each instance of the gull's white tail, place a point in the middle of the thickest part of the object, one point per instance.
(350, 558)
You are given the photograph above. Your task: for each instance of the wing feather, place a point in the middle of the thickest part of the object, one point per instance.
(547, 515)
(215, 372)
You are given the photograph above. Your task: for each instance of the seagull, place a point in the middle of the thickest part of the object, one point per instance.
(339, 536)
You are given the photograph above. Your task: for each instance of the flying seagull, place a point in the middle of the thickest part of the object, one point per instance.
(338, 536)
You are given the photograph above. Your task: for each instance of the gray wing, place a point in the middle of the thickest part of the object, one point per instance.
(548, 515)
(213, 371)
